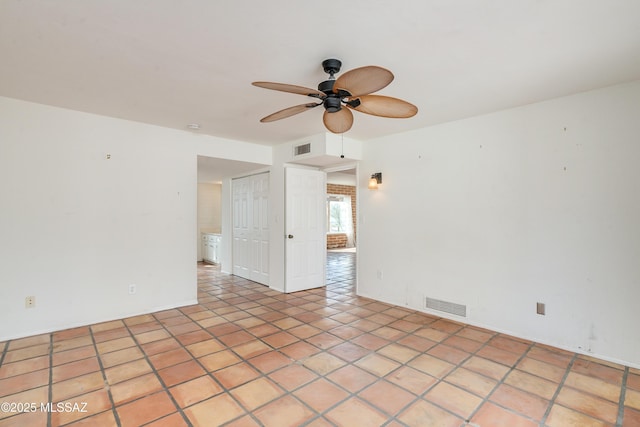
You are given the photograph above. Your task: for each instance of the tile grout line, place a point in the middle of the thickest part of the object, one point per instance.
(355, 395)
(623, 393)
(472, 354)
(558, 389)
(5, 348)
(226, 347)
(155, 372)
(457, 366)
(104, 377)
(418, 397)
(501, 382)
(485, 399)
(460, 365)
(350, 394)
(209, 373)
(422, 395)
(300, 362)
(318, 414)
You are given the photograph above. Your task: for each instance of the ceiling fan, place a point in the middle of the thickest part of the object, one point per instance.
(351, 90)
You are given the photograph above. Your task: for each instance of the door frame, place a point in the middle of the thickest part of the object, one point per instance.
(343, 167)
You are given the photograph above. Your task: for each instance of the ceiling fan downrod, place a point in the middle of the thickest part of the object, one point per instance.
(331, 67)
(333, 101)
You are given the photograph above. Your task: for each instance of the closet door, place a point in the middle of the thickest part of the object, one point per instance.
(241, 226)
(260, 229)
(251, 227)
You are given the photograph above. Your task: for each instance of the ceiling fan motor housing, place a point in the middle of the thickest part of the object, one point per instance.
(332, 103)
(326, 86)
(332, 100)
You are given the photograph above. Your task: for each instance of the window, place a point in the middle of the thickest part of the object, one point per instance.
(338, 213)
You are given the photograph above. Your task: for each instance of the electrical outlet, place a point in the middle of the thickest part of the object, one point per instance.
(30, 302)
(132, 289)
(540, 308)
(379, 274)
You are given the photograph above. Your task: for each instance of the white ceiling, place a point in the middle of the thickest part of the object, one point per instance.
(175, 62)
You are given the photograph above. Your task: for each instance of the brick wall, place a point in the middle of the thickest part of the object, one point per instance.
(336, 241)
(340, 240)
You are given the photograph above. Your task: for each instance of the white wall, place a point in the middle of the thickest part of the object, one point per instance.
(340, 178)
(77, 228)
(498, 212)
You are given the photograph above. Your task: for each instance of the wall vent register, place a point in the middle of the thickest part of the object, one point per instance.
(447, 307)
(302, 149)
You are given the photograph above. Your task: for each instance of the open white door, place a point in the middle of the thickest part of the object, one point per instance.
(305, 223)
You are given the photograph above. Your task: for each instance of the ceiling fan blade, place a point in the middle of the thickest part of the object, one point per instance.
(282, 87)
(288, 112)
(364, 80)
(385, 106)
(338, 122)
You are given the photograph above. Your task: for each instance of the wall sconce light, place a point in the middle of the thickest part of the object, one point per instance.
(375, 179)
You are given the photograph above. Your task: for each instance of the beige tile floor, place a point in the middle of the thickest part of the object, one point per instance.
(248, 356)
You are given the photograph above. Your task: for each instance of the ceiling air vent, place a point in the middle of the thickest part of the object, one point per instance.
(447, 307)
(302, 149)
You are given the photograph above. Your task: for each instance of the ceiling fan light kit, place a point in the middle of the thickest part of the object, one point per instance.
(351, 91)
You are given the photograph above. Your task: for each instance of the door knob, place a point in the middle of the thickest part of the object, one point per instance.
(290, 236)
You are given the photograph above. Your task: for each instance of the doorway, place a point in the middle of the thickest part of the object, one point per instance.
(214, 203)
(342, 233)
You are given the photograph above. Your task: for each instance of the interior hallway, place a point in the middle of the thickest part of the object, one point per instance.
(248, 356)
